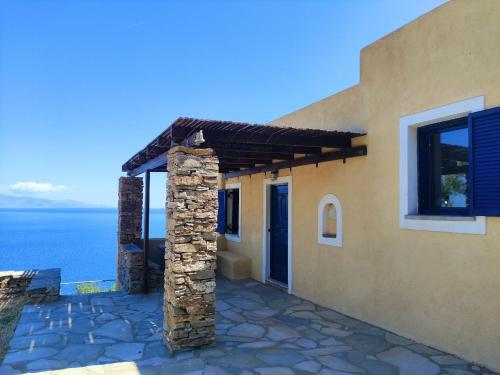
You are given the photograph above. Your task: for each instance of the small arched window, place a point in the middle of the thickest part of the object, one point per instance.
(330, 221)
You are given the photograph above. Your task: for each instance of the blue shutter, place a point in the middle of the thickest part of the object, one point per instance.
(221, 214)
(484, 134)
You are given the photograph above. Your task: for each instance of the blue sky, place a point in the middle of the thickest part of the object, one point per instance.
(86, 84)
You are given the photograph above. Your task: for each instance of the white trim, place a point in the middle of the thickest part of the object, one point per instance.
(408, 178)
(265, 225)
(322, 239)
(231, 236)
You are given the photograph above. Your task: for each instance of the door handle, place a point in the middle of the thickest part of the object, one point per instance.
(269, 230)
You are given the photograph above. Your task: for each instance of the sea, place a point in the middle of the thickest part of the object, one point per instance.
(82, 242)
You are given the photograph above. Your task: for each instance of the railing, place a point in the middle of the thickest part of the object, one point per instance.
(88, 286)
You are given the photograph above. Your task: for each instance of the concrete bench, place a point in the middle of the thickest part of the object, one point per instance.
(232, 265)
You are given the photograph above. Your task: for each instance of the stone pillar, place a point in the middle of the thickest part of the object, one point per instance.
(190, 254)
(129, 224)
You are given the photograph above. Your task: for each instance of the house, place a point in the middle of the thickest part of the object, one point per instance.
(381, 201)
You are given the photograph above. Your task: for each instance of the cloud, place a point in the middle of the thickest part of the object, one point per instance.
(36, 187)
(138, 24)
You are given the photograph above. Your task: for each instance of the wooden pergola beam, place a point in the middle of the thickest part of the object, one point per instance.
(337, 155)
(222, 154)
(150, 165)
(261, 148)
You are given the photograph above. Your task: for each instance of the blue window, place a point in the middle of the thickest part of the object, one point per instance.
(229, 211)
(444, 170)
(459, 166)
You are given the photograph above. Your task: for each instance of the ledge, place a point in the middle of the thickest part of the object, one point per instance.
(440, 217)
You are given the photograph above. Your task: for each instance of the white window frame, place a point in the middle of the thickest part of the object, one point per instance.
(322, 239)
(266, 222)
(231, 236)
(408, 171)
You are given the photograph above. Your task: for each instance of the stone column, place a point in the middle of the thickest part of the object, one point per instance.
(190, 256)
(129, 225)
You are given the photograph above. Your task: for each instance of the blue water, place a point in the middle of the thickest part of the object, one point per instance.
(82, 242)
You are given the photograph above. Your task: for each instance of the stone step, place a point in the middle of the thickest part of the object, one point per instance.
(233, 265)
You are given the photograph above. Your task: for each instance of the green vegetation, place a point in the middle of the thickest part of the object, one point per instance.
(86, 288)
(10, 311)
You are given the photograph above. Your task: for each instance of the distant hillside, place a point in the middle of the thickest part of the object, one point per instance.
(11, 201)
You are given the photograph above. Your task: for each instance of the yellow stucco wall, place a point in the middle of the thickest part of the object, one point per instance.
(442, 289)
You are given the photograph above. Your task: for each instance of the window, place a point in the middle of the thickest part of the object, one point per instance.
(232, 211)
(450, 167)
(330, 221)
(443, 168)
(229, 215)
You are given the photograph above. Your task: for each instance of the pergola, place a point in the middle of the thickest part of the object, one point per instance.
(194, 152)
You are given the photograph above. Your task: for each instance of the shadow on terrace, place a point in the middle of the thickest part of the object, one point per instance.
(259, 330)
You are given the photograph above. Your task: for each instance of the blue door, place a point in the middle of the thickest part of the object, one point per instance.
(278, 262)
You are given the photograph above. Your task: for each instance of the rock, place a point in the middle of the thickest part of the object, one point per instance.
(326, 351)
(101, 301)
(116, 329)
(339, 364)
(222, 306)
(257, 345)
(424, 349)
(105, 317)
(281, 332)
(367, 344)
(330, 342)
(457, 371)
(25, 342)
(308, 366)
(28, 355)
(306, 343)
(247, 330)
(125, 352)
(46, 364)
(335, 332)
(448, 360)
(7, 370)
(330, 314)
(279, 357)
(408, 362)
(80, 353)
(397, 340)
(244, 303)
(274, 371)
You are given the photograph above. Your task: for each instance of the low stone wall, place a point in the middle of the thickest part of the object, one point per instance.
(131, 268)
(38, 285)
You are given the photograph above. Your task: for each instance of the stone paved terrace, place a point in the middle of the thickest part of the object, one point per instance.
(260, 330)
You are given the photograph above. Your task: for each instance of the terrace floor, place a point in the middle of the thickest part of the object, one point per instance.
(260, 330)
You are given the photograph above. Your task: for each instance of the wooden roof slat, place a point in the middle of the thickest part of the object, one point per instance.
(228, 137)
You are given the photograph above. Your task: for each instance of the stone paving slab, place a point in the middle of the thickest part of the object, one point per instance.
(260, 330)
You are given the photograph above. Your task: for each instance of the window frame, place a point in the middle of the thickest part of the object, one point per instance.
(426, 169)
(234, 237)
(409, 219)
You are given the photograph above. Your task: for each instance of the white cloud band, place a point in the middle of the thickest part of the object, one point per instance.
(36, 187)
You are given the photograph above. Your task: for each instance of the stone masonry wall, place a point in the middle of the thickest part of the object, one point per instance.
(190, 256)
(129, 271)
(36, 285)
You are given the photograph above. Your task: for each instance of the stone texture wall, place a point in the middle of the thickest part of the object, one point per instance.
(37, 285)
(129, 231)
(131, 268)
(190, 256)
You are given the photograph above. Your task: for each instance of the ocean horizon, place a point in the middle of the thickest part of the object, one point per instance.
(80, 241)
